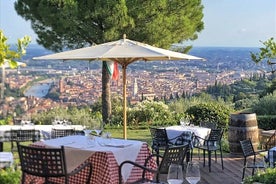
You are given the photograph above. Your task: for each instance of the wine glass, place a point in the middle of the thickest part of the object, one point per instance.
(175, 174)
(87, 132)
(182, 122)
(97, 126)
(193, 172)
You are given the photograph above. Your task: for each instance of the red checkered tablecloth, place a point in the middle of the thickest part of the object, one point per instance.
(105, 169)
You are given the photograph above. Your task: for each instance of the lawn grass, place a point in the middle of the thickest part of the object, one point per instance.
(137, 134)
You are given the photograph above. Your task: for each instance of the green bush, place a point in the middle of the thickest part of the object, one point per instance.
(265, 105)
(267, 122)
(149, 112)
(210, 112)
(267, 177)
(10, 176)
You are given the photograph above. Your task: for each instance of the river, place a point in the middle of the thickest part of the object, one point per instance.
(38, 90)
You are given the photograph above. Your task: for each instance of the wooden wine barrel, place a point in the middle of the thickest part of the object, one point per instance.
(242, 126)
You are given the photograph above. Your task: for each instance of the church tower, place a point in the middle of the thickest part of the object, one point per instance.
(61, 85)
(135, 87)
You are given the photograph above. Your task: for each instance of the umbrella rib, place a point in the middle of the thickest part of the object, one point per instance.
(125, 61)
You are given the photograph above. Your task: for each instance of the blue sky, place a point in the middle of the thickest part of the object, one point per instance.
(238, 23)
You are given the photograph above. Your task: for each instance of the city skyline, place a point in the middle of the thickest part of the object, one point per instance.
(227, 23)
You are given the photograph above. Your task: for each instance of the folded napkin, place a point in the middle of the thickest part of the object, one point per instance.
(130, 152)
(75, 157)
(73, 154)
(117, 143)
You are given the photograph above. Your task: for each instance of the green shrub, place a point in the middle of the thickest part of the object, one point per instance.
(225, 144)
(147, 111)
(266, 105)
(267, 122)
(10, 176)
(267, 177)
(210, 112)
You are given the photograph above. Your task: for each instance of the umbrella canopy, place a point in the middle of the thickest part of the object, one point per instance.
(123, 51)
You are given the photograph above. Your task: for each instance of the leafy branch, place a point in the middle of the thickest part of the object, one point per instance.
(267, 53)
(7, 55)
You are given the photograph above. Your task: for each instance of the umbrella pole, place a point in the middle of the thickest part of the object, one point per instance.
(124, 101)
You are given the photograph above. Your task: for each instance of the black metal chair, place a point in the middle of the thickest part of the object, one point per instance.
(271, 142)
(186, 137)
(211, 125)
(248, 151)
(160, 140)
(172, 154)
(56, 133)
(211, 144)
(22, 135)
(49, 163)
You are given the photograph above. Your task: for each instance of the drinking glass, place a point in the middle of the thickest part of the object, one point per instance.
(193, 173)
(184, 122)
(97, 126)
(90, 141)
(175, 174)
(87, 132)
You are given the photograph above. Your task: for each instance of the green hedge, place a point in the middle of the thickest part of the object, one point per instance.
(267, 122)
(267, 177)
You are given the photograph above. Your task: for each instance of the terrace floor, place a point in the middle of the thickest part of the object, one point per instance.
(232, 173)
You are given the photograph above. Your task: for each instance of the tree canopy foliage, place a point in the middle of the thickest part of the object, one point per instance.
(61, 24)
(266, 53)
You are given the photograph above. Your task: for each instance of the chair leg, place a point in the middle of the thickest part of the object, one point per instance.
(243, 170)
(209, 160)
(203, 158)
(157, 158)
(12, 146)
(198, 153)
(253, 171)
(191, 150)
(157, 177)
(188, 155)
(23, 178)
(221, 160)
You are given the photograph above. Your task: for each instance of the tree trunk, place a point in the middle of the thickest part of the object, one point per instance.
(106, 99)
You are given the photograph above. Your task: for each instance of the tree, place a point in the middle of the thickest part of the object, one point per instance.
(63, 24)
(267, 53)
(8, 55)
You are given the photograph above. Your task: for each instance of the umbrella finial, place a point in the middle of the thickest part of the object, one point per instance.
(124, 36)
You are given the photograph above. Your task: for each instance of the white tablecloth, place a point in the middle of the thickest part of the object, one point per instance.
(174, 131)
(6, 159)
(45, 130)
(122, 149)
(272, 156)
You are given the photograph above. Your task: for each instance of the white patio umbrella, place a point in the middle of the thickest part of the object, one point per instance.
(5, 65)
(124, 52)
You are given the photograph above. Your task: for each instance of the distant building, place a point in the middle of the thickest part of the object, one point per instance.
(61, 85)
(135, 87)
